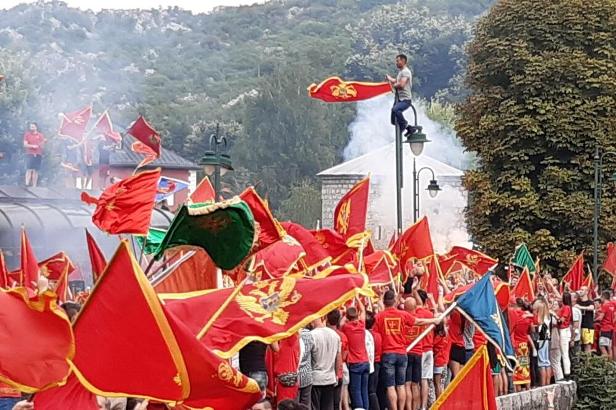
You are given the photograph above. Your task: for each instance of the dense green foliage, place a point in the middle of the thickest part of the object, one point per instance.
(246, 68)
(543, 93)
(596, 383)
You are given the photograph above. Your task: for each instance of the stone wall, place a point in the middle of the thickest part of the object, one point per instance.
(537, 399)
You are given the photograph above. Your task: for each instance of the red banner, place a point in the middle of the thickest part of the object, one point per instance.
(350, 213)
(334, 89)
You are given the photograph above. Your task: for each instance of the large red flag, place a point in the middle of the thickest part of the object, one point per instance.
(276, 260)
(335, 245)
(146, 135)
(575, 277)
(316, 254)
(73, 125)
(414, 243)
(267, 310)
(204, 192)
(472, 388)
(475, 260)
(126, 206)
(97, 258)
(36, 341)
(70, 396)
(350, 213)
(432, 276)
(104, 127)
(524, 288)
(270, 230)
(128, 345)
(334, 89)
(610, 260)
(29, 265)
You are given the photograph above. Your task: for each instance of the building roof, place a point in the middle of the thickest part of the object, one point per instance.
(382, 162)
(125, 157)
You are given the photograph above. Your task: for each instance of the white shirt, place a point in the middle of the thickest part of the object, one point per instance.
(577, 317)
(370, 349)
(326, 347)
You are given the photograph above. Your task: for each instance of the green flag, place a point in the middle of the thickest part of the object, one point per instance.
(154, 239)
(226, 230)
(522, 258)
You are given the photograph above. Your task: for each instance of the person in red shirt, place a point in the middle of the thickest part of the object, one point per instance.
(521, 328)
(605, 317)
(285, 368)
(564, 331)
(359, 368)
(457, 352)
(33, 144)
(440, 347)
(392, 325)
(373, 379)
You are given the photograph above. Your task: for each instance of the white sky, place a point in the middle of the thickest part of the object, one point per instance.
(194, 5)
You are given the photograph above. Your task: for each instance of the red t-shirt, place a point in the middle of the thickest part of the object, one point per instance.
(344, 352)
(607, 323)
(456, 328)
(478, 339)
(355, 332)
(34, 138)
(521, 328)
(411, 332)
(441, 348)
(378, 346)
(390, 324)
(565, 317)
(428, 341)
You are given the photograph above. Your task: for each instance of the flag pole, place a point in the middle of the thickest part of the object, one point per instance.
(430, 327)
(221, 309)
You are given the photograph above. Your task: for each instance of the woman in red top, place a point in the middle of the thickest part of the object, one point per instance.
(564, 331)
(521, 326)
(457, 353)
(441, 347)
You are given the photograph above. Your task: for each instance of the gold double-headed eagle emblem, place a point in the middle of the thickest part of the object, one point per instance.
(342, 222)
(343, 90)
(269, 299)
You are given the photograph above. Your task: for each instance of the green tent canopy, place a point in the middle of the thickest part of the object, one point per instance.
(225, 230)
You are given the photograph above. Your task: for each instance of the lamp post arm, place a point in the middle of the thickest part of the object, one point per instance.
(427, 169)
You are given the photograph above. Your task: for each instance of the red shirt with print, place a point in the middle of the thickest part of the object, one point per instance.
(390, 324)
(355, 331)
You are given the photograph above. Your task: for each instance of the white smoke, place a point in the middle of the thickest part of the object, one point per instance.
(371, 130)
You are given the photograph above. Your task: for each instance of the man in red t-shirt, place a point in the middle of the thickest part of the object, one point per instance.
(359, 367)
(605, 317)
(33, 144)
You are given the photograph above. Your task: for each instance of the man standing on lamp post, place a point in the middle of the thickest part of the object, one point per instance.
(33, 143)
(402, 85)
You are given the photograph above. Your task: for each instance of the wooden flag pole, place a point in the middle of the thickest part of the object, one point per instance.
(221, 309)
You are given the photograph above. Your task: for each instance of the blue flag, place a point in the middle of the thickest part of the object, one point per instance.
(169, 186)
(479, 305)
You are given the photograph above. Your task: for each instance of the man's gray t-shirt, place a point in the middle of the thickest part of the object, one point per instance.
(405, 92)
(326, 346)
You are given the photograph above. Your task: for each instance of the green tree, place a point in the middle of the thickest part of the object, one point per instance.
(542, 94)
(303, 204)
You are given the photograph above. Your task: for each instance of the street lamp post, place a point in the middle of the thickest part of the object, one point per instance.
(597, 211)
(433, 188)
(216, 161)
(416, 141)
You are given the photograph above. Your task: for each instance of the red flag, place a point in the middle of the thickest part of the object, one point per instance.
(56, 266)
(36, 341)
(334, 89)
(146, 135)
(524, 287)
(335, 245)
(270, 230)
(4, 273)
(70, 396)
(97, 258)
(126, 206)
(414, 243)
(472, 388)
(29, 265)
(267, 310)
(316, 254)
(73, 125)
(378, 266)
(502, 292)
(104, 127)
(575, 277)
(144, 351)
(204, 192)
(432, 276)
(350, 213)
(277, 260)
(475, 260)
(590, 284)
(140, 148)
(610, 260)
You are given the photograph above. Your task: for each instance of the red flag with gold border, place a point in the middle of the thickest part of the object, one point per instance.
(335, 89)
(146, 134)
(472, 388)
(335, 245)
(267, 310)
(379, 267)
(475, 260)
(524, 288)
(316, 254)
(56, 266)
(204, 192)
(610, 259)
(350, 213)
(36, 342)
(277, 260)
(70, 396)
(502, 291)
(414, 243)
(126, 206)
(270, 230)
(574, 278)
(432, 276)
(97, 258)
